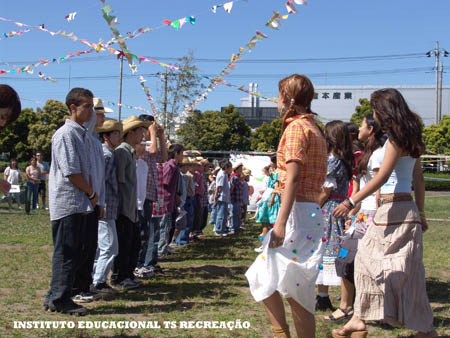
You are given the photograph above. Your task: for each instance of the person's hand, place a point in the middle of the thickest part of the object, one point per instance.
(4, 186)
(341, 210)
(348, 223)
(424, 224)
(101, 212)
(94, 201)
(153, 129)
(277, 235)
(159, 131)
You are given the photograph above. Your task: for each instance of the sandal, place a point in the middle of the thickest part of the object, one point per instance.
(347, 313)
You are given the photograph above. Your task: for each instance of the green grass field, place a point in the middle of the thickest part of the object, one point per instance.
(202, 282)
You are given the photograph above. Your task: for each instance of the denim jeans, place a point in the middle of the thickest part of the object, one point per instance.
(128, 234)
(213, 215)
(221, 218)
(147, 230)
(66, 234)
(151, 257)
(164, 234)
(107, 250)
(235, 216)
(89, 239)
(183, 238)
(32, 191)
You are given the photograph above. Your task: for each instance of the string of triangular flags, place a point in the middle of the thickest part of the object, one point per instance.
(14, 33)
(272, 23)
(147, 94)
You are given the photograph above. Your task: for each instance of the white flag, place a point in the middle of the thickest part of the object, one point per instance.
(228, 6)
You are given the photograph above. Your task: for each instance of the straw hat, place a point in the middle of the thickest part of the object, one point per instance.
(237, 165)
(109, 126)
(133, 122)
(247, 172)
(186, 161)
(205, 162)
(215, 171)
(99, 108)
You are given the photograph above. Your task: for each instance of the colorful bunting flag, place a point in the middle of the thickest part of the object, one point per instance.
(228, 6)
(71, 16)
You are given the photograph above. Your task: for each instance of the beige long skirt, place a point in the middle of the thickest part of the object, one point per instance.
(389, 272)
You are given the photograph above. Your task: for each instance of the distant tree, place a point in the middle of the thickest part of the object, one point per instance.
(437, 136)
(266, 136)
(183, 86)
(362, 110)
(213, 130)
(14, 138)
(48, 120)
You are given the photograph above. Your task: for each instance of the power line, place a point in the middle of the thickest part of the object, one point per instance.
(245, 76)
(215, 60)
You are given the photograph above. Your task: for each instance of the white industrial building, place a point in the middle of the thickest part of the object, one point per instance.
(339, 103)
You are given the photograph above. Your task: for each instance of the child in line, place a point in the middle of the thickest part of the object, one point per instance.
(335, 189)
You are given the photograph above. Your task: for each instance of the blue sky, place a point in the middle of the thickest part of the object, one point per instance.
(322, 29)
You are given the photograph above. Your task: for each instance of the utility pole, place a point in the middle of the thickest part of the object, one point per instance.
(437, 52)
(120, 87)
(441, 71)
(165, 99)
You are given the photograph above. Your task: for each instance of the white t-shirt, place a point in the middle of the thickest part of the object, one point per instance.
(222, 181)
(141, 175)
(13, 175)
(370, 202)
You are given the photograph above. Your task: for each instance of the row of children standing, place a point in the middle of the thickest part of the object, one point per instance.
(118, 201)
(228, 197)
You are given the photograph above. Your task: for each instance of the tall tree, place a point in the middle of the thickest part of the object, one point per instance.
(178, 87)
(266, 136)
(49, 119)
(14, 138)
(362, 110)
(437, 136)
(213, 130)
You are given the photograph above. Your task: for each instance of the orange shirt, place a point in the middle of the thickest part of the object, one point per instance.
(303, 142)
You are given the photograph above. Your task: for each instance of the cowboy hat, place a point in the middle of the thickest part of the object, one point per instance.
(99, 108)
(133, 122)
(109, 126)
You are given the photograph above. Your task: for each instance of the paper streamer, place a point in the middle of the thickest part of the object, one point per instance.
(147, 94)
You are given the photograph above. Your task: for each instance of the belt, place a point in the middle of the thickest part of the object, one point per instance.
(390, 198)
(337, 197)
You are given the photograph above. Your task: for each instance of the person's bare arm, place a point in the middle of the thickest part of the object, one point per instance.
(293, 175)
(419, 192)
(325, 193)
(78, 181)
(391, 157)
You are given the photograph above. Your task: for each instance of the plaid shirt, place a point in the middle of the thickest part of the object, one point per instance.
(152, 175)
(204, 200)
(236, 194)
(303, 142)
(111, 191)
(160, 204)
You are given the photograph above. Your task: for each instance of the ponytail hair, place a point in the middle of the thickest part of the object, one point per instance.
(296, 89)
(375, 141)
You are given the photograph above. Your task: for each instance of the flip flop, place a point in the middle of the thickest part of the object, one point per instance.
(331, 318)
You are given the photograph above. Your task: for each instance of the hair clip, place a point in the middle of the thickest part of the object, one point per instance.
(292, 101)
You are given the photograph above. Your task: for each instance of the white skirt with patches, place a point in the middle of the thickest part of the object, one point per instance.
(292, 268)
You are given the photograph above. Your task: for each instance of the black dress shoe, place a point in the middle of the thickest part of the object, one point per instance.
(323, 303)
(70, 308)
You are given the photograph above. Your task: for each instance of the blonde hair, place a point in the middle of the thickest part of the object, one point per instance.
(296, 89)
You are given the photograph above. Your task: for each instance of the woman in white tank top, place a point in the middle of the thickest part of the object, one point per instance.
(389, 272)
